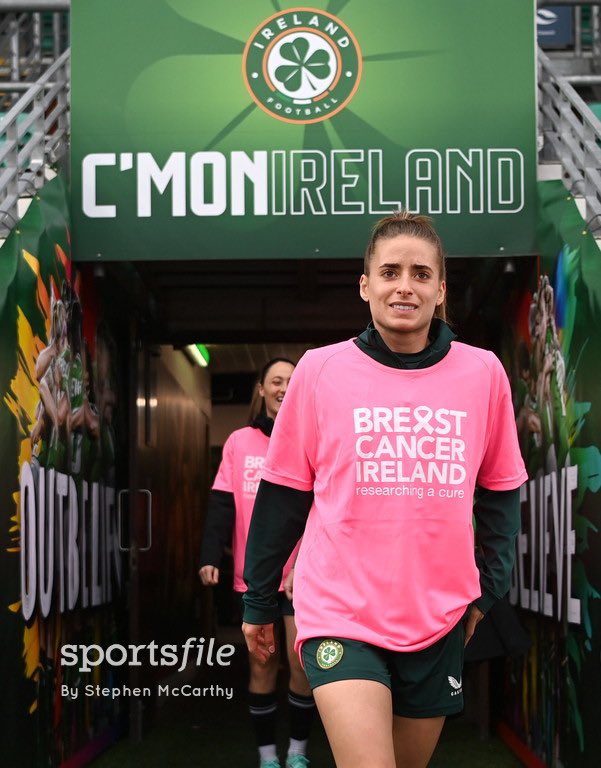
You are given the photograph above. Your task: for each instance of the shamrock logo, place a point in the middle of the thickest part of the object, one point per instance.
(304, 66)
(328, 653)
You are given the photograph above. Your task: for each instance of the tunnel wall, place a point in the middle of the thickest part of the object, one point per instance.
(552, 349)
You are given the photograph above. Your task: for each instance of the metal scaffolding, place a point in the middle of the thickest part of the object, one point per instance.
(34, 136)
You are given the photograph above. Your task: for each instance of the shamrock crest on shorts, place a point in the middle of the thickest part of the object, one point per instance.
(329, 653)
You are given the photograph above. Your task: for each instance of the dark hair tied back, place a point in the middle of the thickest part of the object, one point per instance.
(269, 364)
(412, 225)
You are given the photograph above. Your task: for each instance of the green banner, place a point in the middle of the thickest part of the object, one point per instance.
(252, 129)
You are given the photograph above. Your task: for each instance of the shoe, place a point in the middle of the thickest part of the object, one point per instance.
(275, 763)
(297, 761)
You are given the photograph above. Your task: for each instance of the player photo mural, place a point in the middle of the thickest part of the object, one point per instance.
(72, 466)
(552, 348)
(59, 413)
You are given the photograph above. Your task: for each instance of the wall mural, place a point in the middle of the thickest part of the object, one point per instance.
(58, 417)
(553, 351)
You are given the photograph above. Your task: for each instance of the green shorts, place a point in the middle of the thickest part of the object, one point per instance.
(424, 683)
(285, 605)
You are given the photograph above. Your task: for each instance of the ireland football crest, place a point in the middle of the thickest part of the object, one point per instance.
(302, 65)
(329, 653)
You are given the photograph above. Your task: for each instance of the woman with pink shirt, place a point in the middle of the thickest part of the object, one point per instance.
(385, 449)
(228, 518)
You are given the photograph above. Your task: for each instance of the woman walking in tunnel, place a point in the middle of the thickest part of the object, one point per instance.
(375, 459)
(230, 507)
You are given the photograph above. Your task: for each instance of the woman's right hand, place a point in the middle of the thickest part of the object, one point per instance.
(209, 575)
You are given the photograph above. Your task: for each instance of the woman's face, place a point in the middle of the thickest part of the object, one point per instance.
(403, 289)
(274, 387)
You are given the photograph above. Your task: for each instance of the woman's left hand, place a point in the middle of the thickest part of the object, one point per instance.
(288, 584)
(474, 616)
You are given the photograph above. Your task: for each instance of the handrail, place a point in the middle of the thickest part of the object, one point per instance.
(36, 5)
(34, 135)
(571, 135)
(24, 45)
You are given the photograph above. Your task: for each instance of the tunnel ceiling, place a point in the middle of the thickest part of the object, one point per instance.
(306, 303)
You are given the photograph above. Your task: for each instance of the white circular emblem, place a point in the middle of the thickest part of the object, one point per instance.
(302, 65)
(329, 653)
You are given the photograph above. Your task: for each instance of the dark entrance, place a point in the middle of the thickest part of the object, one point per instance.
(233, 307)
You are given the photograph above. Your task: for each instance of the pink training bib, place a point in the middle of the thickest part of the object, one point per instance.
(393, 457)
(239, 473)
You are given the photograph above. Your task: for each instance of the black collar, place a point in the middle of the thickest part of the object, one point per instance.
(264, 423)
(440, 339)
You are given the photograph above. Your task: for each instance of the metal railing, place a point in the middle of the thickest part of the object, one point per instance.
(29, 44)
(21, 45)
(571, 135)
(34, 135)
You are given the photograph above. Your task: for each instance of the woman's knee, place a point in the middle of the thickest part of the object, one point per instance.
(298, 678)
(263, 677)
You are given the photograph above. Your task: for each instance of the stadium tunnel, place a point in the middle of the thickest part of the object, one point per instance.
(180, 414)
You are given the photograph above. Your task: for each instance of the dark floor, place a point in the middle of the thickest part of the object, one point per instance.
(214, 731)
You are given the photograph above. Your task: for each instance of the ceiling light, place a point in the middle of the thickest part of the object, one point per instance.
(199, 353)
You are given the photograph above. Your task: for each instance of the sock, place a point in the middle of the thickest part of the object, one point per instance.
(263, 715)
(297, 747)
(268, 752)
(302, 711)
